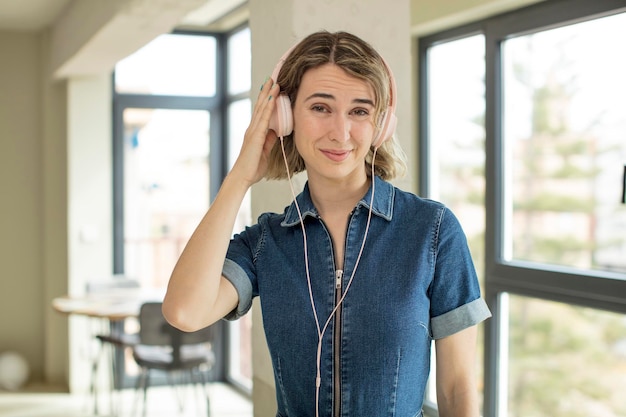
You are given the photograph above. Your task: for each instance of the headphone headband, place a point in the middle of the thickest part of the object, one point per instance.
(281, 121)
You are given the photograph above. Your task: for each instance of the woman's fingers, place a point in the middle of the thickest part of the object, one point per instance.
(266, 101)
(258, 140)
(262, 111)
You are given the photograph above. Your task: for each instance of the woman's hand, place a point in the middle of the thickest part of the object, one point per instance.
(197, 293)
(258, 141)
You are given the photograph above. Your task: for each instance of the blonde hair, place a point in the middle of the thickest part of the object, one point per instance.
(358, 59)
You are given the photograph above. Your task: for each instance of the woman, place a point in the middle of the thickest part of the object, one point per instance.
(355, 277)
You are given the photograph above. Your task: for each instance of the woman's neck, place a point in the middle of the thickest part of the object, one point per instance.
(337, 198)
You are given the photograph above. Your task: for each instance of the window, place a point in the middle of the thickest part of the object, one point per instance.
(556, 352)
(455, 155)
(166, 187)
(239, 114)
(563, 133)
(168, 66)
(551, 160)
(163, 151)
(174, 103)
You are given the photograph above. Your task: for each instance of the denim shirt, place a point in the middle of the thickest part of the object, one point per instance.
(415, 282)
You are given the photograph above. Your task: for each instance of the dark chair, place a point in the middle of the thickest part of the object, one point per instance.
(163, 347)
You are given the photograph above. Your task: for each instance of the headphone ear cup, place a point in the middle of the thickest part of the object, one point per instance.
(388, 125)
(388, 128)
(281, 121)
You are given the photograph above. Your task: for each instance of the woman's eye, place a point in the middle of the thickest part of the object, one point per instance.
(318, 108)
(361, 112)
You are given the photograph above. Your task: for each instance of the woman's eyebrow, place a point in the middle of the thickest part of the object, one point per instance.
(320, 95)
(331, 97)
(364, 101)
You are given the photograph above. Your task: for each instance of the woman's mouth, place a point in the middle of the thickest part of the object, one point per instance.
(336, 155)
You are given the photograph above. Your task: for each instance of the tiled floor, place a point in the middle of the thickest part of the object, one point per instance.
(225, 402)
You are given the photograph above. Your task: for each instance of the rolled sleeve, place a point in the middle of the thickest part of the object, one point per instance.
(459, 319)
(237, 276)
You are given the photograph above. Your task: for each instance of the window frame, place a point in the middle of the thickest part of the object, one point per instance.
(214, 105)
(229, 98)
(217, 107)
(594, 289)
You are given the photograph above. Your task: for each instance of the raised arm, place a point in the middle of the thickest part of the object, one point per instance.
(197, 294)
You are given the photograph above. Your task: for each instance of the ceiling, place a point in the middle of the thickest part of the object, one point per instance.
(35, 15)
(29, 15)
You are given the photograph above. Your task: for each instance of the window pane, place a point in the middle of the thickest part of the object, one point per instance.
(457, 133)
(239, 62)
(240, 368)
(564, 124)
(565, 361)
(170, 65)
(239, 114)
(456, 137)
(166, 188)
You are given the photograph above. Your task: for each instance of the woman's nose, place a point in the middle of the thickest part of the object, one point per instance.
(340, 128)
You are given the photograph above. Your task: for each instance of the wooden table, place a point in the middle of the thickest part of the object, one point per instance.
(115, 305)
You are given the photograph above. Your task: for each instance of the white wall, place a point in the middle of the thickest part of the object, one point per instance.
(90, 204)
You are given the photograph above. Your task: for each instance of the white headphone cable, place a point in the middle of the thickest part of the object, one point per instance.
(320, 333)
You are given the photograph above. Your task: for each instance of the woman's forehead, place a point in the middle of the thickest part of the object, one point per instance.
(330, 79)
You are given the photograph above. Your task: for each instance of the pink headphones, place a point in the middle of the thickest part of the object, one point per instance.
(282, 118)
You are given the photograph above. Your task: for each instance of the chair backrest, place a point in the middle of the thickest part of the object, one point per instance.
(155, 330)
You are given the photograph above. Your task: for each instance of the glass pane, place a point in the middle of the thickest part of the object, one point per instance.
(565, 361)
(456, 137)
(239, 62)
(240, 366)
(240, 370)
(170, 65)
(166, 188)
(239, 114)
(564, 124)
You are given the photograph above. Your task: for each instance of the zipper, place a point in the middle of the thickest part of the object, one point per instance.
(336, 333)
(337, 347)
(338, 277)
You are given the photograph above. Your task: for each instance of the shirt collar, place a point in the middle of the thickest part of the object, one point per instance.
(382, 206)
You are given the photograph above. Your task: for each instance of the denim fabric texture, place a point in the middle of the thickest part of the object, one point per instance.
(415, 282)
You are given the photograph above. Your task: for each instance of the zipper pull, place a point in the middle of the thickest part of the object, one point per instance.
(338, 276)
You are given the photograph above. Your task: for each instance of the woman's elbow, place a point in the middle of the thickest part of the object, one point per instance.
(180, 318)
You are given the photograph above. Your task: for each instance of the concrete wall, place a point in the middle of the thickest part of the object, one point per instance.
(275, 27)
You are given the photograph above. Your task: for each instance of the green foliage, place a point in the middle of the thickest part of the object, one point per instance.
(573, 172)
(557, 353)
(556, 203)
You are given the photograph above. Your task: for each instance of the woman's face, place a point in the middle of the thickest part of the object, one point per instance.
(334, 123)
